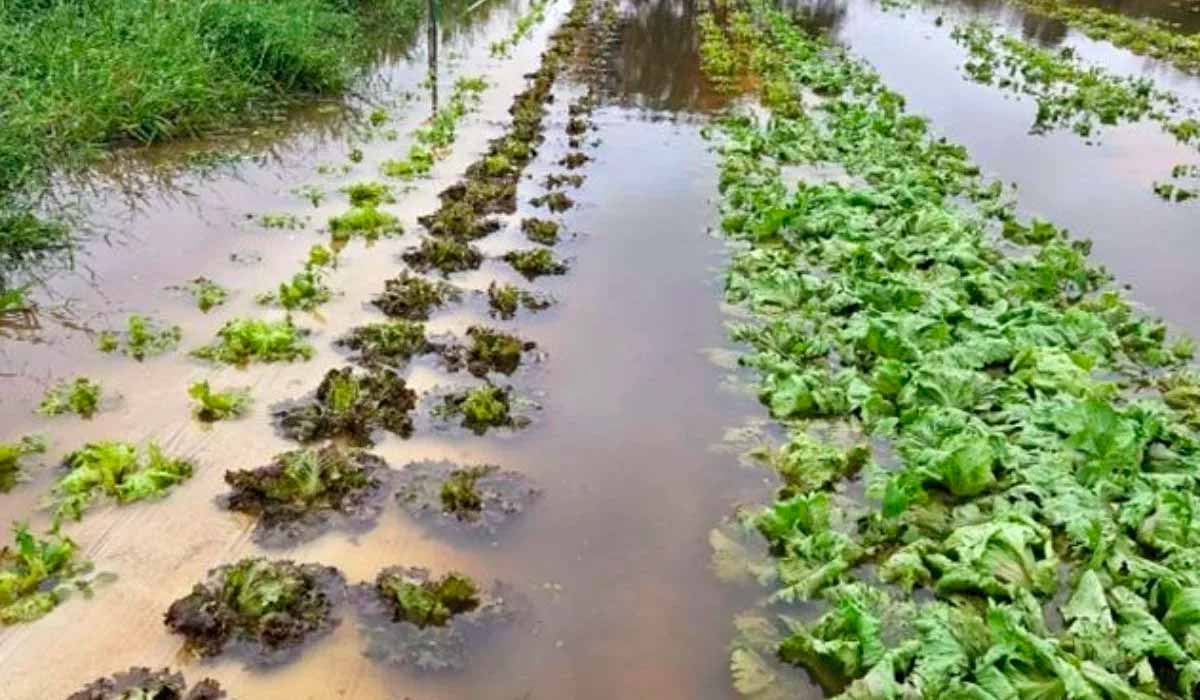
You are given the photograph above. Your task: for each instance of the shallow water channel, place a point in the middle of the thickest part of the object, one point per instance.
(612, 562)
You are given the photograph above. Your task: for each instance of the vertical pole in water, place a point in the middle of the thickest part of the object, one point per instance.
(434, 8)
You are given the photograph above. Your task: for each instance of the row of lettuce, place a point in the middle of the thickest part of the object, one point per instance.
(990, 478)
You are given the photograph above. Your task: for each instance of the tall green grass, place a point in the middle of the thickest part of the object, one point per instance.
(79, 76)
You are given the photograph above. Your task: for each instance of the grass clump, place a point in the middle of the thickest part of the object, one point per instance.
(352, 406)
(412, 297)
(445, 255)
(116, 470)
(506, 299)
(207, 294)
(269, 608)
(142, 338)
(366, 221)
(212, 406)
(369, 194)
(11, 454)
(140, 683)
(535, 263)
(294, 496)
(80, 396)
(241, 341)
(387, 344)
(286, 221)
(542, 231)
(423, 601)
(81, 77)
(33, 573)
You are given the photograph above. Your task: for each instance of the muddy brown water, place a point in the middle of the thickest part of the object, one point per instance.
(613, 560)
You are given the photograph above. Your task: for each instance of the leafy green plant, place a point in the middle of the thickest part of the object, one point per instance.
(542, 231)
(241, 341)
(425, 601)
(207, 294)
(32, 574)
(556, 201)
(15, 300)
(411, 297)
(80, 396)
(11, 454)
(369, 194)
(350, 405)
(116, 470)
(212, 406)
(488, 350)
(294, 496)
(480, 408)
(366, 221)
(481, 498)
(443, 254)
(304, 292)
(387, 344)
(535, 263)
(506, 299)
(140, 683)
(275, 606)
(142, 338)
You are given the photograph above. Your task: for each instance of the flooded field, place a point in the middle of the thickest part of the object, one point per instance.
(615, 453)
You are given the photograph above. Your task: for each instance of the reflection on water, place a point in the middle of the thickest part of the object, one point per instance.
(657, 65)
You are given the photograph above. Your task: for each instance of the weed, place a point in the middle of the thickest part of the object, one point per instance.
(388, 344)
(33, 574)
(544, 231)
(273, 607)
(535, 263)
(443, 254)
(287, 221)
(241, 341)
(212, 406)
(295, 497)
(140, 683)
(142, 338)
(116, 470)
(411, 297)
(352, 406)
(11, 454)
(81, 397)
(315, 195)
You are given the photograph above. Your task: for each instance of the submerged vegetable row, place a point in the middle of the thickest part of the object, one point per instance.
(991, 469)
(265, 610)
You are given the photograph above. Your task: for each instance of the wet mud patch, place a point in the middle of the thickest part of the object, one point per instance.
(140, 683)
(260, 610)
(350, 405)
(411, 619)
(412, 297)
(304, 493)
(504, 300)
(481, 408)
(478, 499)
(390, 344)
(486, 350)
